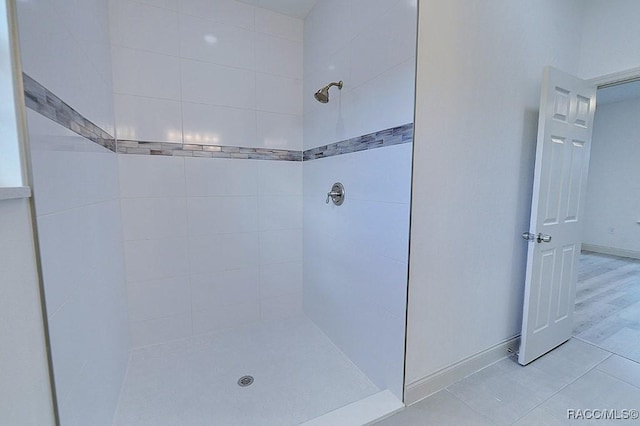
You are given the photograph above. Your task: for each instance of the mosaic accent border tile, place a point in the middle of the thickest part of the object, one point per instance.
(388, 137)
(206, 151)
(41, 100)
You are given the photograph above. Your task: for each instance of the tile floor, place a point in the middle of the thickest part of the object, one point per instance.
(576, 375)
(299, 375)
(608, 303)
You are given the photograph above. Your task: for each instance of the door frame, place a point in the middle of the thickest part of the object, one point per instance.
(609, 80)
(600, 82)
(614, 79)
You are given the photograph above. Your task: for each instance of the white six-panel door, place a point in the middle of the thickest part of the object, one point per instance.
(567, 109)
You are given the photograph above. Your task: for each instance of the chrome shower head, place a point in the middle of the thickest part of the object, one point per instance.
(322, 95)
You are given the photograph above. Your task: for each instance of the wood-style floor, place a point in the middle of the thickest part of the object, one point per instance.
(607, 311)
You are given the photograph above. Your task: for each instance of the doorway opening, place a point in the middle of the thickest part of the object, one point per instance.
(607, 308)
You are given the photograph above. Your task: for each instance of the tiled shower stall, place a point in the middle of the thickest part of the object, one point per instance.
(181, 168)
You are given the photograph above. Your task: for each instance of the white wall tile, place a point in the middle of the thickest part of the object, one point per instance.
(67, 190)
(62, 246)
(216, 125)
(325, 31)
(327, 123)
(392, 37)
(147, 176)
(142, 73)
(153, 218)
(25, 396)
(280, 212)
(219, 215)
(227, 11)
(280, 177)
(214, 102)
(160, 330)
(158, 298)
(280, 246)
(223, 252)
(278, 94)
(218, 85)
(167, 4)
(396, 87)
(364, 174)
(278, 279)
(281, 307)
(330, 67)
(215, 177)
(279, 131)
(365, 13)
(147, 119)
(226, 317)
(156, 259)
(360, 301)
(69, 351)
(280, 56)
(216, 42)
(82, 257)
(224, 288)
(277, 24)
(81, 250)
(74, 75)
(141, 26)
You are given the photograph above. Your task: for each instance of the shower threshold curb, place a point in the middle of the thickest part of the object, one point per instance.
(363, 412)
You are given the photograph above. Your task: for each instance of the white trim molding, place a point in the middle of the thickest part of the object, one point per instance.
(615, 78)
(427, 386)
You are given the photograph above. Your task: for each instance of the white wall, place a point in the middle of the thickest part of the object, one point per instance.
(479, 72)
(65, 47)
(25, 393)
(610, 37)
(78, 217)
(355, 255)
(371, 46)
(224, 73)
(215, 72)
(613, 193)
(210, 244)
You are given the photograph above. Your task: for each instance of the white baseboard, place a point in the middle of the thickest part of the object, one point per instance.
(427, 386)
(634, 254)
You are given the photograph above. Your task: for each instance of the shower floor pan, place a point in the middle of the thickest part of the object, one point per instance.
(298, 375)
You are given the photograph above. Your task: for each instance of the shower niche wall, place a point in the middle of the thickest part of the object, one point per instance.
(199, 247)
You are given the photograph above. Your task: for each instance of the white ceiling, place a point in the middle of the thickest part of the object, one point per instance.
(619, 93)
(295, 8)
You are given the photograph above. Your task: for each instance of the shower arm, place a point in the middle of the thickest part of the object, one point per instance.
(333, 83)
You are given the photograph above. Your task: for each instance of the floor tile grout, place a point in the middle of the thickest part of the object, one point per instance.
(565, 386)
(470, 407)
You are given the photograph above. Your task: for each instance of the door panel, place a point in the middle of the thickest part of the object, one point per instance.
(567, 108)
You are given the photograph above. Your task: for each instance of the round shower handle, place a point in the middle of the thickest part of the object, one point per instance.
(336, 194)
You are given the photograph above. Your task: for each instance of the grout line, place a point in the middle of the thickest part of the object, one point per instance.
(188, 237)
(483, 416)
(124, 378)
(562, 388)
(619, 378)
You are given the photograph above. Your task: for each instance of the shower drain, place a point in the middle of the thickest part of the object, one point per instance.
(245, 381)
